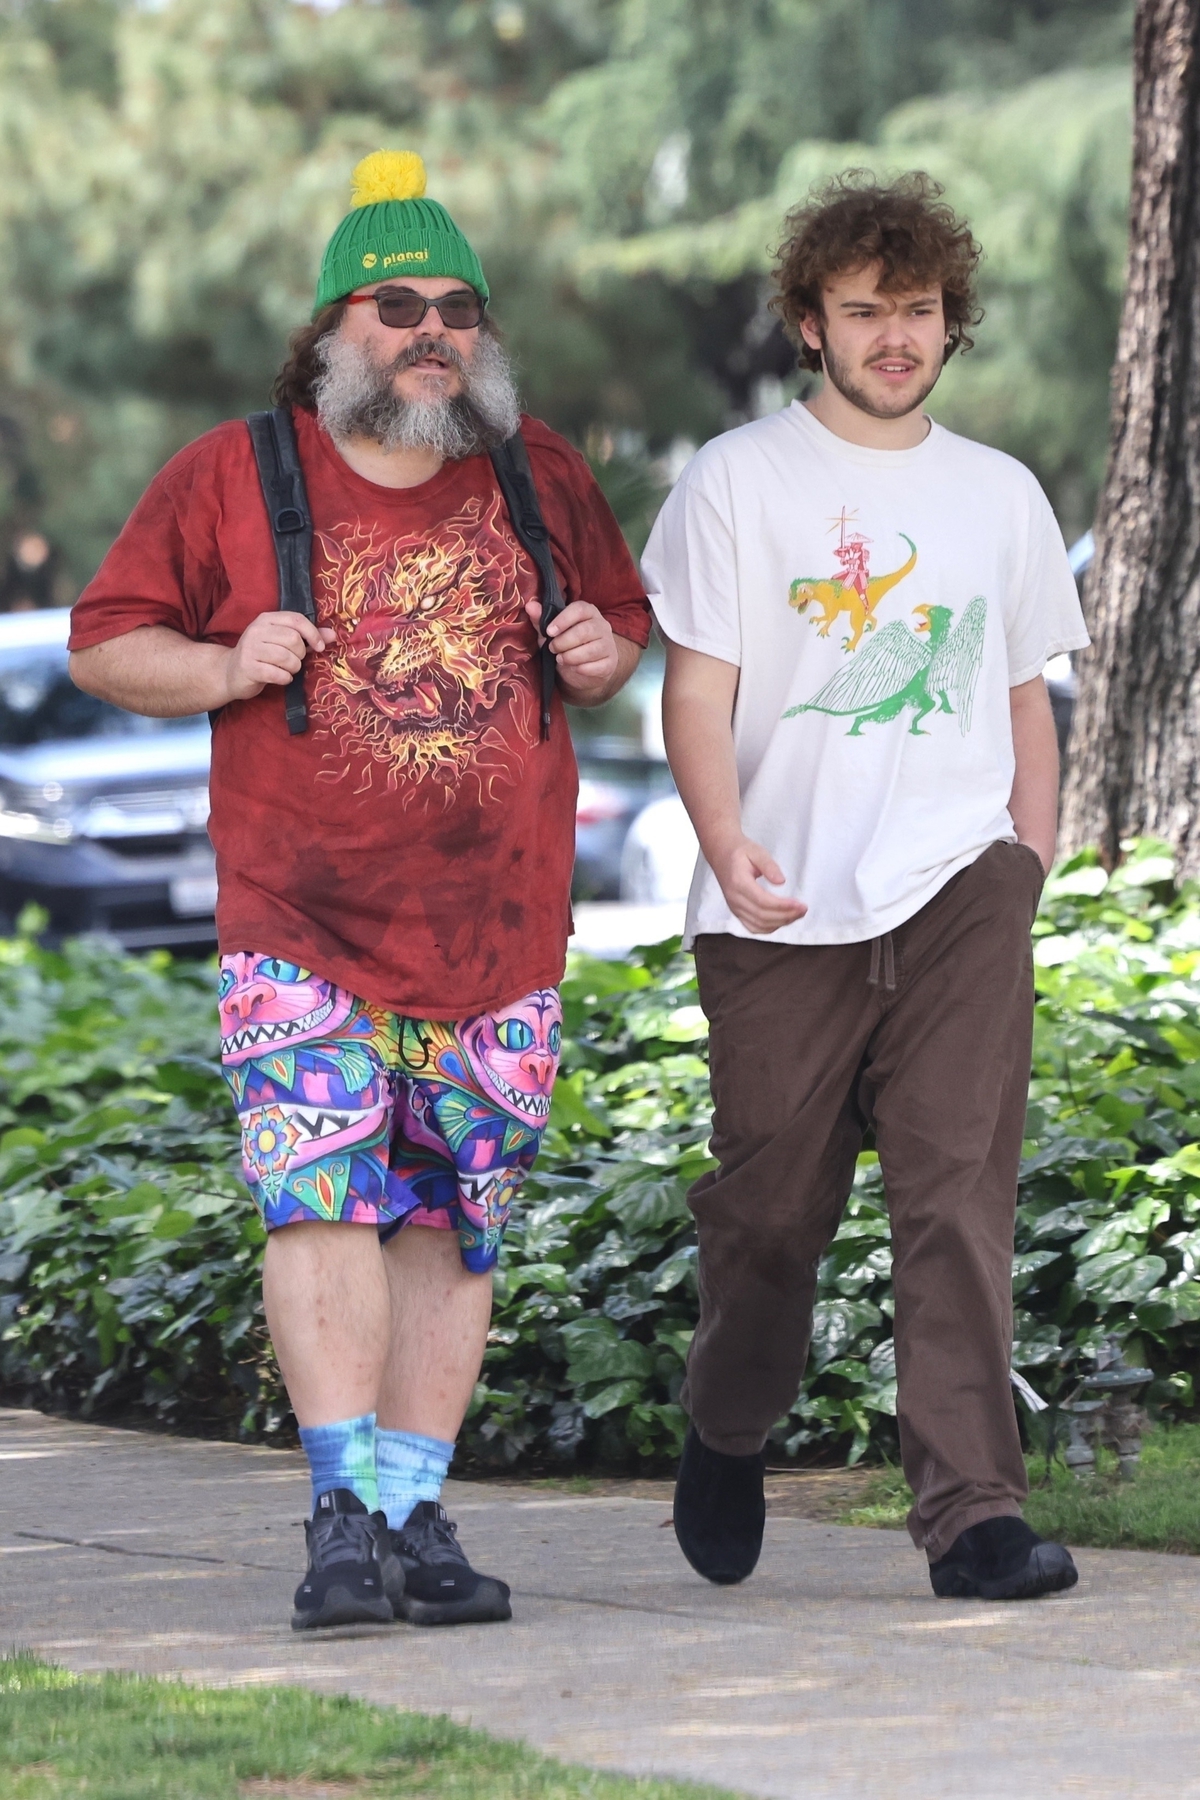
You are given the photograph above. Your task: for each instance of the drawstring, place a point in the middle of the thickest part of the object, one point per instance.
(883, 947)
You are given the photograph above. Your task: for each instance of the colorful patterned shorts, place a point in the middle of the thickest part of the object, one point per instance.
(351, 1112)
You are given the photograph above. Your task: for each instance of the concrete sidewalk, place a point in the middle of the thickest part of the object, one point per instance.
(832, 1675)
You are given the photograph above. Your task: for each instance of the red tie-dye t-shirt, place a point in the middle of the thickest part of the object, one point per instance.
(415, 845)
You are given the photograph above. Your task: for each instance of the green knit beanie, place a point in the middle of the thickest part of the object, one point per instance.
(391, 230)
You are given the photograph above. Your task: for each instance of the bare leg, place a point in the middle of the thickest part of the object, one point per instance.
(329, 1315)
(440, 1318)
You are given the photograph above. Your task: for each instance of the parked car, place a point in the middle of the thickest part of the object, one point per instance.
(659, 854)
(622, 769)
(615, 782)
(1060, 680)
(102, 812)
(1060, 670)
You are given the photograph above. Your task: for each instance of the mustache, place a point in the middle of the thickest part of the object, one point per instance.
(427, 346)
(908, 356)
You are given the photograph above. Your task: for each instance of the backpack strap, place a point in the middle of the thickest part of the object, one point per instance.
(275, 451)
(511, 463)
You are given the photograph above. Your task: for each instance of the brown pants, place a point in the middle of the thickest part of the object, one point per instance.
(925, 1035)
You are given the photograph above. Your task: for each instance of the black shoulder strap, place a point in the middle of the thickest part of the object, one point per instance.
(511, 463)
(274, 438)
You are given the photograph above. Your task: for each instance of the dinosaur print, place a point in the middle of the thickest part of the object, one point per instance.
(855, 592)
(898, 671)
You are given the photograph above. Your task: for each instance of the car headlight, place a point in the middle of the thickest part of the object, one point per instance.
(33, 814)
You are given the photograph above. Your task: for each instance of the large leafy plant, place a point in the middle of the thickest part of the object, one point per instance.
(129, 1255)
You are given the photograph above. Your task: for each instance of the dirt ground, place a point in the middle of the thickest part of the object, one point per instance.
(819, 1494)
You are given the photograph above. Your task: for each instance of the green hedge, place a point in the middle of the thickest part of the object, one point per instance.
(129, 1255)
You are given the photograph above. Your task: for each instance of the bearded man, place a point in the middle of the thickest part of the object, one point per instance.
(394, 880)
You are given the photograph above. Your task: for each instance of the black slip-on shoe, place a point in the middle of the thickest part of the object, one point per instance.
(352, 1577)
(719, 1510)
(1002, 1559)
(440, 1586)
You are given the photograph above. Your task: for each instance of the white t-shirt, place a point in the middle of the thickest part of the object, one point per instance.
(878, 604)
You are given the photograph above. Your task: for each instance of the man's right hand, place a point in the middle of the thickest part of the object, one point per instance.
(270, 650)
(738, 869)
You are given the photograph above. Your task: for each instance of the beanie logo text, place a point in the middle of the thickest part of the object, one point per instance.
(396, 256)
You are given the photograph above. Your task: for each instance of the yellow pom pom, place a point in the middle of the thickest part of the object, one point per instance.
(388, 175)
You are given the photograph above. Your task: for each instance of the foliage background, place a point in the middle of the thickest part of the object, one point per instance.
(129, 1254)
(170, 172)
(168, 176)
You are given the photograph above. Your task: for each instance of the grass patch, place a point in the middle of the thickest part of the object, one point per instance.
(1158, 1510)
(126, 1737)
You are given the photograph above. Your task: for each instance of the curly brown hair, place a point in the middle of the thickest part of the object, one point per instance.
(904, 225)
(297, 379)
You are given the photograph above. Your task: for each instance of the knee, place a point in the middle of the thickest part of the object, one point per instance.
(754, 1254)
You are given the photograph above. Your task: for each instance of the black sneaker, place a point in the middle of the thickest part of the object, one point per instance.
(1002, 1559)
(352, 1576)
(440, 1586)
(719, 1510)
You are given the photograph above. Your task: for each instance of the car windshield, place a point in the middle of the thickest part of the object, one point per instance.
(40, 704)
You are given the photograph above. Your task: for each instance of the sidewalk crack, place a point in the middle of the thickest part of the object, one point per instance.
(223, 1562)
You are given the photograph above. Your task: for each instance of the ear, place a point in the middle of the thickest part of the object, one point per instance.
(810, 329)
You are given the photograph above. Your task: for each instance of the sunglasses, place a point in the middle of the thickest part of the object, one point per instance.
(401, 308)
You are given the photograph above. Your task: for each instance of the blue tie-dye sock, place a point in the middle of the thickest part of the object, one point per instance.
(409, 1468)
(343, 1456)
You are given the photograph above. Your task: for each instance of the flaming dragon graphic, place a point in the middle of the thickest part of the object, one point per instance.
(433, 650)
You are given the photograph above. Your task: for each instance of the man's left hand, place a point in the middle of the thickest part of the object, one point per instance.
(583, 645)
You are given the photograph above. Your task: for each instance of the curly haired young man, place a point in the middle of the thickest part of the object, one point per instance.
(394, 881)
(859, 606)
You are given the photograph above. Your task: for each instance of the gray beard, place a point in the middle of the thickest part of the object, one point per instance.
(355, 398)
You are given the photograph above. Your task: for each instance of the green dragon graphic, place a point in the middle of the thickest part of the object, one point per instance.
(897, 670)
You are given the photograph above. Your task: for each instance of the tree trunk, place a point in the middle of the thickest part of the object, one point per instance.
(1134, 758)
